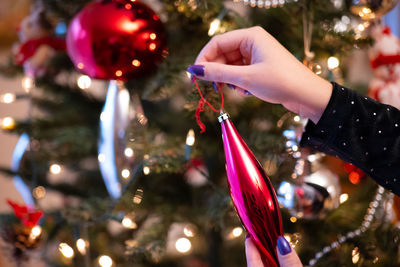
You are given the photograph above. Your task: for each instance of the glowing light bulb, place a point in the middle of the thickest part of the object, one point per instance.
(128, 152)
(81, 245)
(366, 10)
(35, 232)
(355, 255)
(146, 170)
(293, 219)
(7, 123)
(343, 198)
(153, 36)
(152, 46)
(66, 250)
(105, 261)
(296, 118)
(101, 157)
(118, 73)
(333, 63)
(7, 98)
(237, 231)
(80, 65)
(125, 173)
(188, 231)
(137, 199)
(39, 192)
(214, 26)
(27, 84)
(190, 138)
(361, 27)
(84, 82)
(55, 169)
(183, 245)
(128, 223)
(136, 63)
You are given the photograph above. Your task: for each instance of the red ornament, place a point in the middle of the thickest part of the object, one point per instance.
(29, 217)
(252, 193)
(118, 39)
(355, 174)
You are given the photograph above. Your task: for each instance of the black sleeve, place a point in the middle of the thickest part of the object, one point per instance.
(361, 131)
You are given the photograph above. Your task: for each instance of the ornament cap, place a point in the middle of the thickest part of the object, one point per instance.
(223, 116)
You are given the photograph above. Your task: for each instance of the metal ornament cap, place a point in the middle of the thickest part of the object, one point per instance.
(252, 193)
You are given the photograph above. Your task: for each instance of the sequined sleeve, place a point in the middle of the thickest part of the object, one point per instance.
(361, 131)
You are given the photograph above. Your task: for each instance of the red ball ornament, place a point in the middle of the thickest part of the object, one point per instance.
(116, 39)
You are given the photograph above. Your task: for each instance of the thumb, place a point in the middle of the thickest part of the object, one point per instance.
(253, 257)
(222, 73)
(286, 255)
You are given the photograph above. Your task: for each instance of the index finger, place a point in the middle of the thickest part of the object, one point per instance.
(223, 44)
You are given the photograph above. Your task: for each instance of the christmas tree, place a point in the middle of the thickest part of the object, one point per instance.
(138, 184)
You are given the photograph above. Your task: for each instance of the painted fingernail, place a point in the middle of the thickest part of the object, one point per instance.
(197, 70)
(283, 246)
(247, 236)
(231, 86)
(247, 92)
(214, 84)
(192, 78)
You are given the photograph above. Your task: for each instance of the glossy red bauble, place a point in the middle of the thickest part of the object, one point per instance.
(252, 193)
(120, 39)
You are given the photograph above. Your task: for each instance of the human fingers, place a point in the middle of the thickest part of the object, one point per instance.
(216, 72)
(286, 255)
(253, 257)
(224, 44)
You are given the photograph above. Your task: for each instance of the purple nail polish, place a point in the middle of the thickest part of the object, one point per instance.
(197, 70)
(231, 86)
(247, 236)
(283, 246)
(214, 84)
(247, 92)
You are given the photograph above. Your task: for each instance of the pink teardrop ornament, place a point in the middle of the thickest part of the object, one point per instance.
(252, 193)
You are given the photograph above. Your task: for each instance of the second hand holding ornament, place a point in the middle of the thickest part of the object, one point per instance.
(250, 188)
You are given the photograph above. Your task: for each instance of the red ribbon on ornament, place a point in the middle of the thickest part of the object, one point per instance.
(28, 216)
(202, 102)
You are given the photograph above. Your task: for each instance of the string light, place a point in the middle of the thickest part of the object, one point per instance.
(183, 245)
(105, 261)
(146, 170)
(128, 223)
(7, 98)
(369, 216)
(190, 138)
(355, 255)
(35, 232)
(136, 63)
(55, 169)
(66, 250)
(296, 118)
(214, 26)
(333, 63)
(84, 82)
(137, 199)
(27, 84)
(293, 219)
(39, 192)
(237, 231)
(81, 245)
(287, 237)
(125, 173)
(7, 123)
(128, 152)
(189, 230)
(343, 198)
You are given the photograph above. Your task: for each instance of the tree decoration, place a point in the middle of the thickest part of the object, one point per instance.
(372, 9)
(251, 192)
(23, 236)
(37, 44)
(116, 40)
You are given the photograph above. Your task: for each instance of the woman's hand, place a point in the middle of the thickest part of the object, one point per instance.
(286, 255)
(251, 59)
